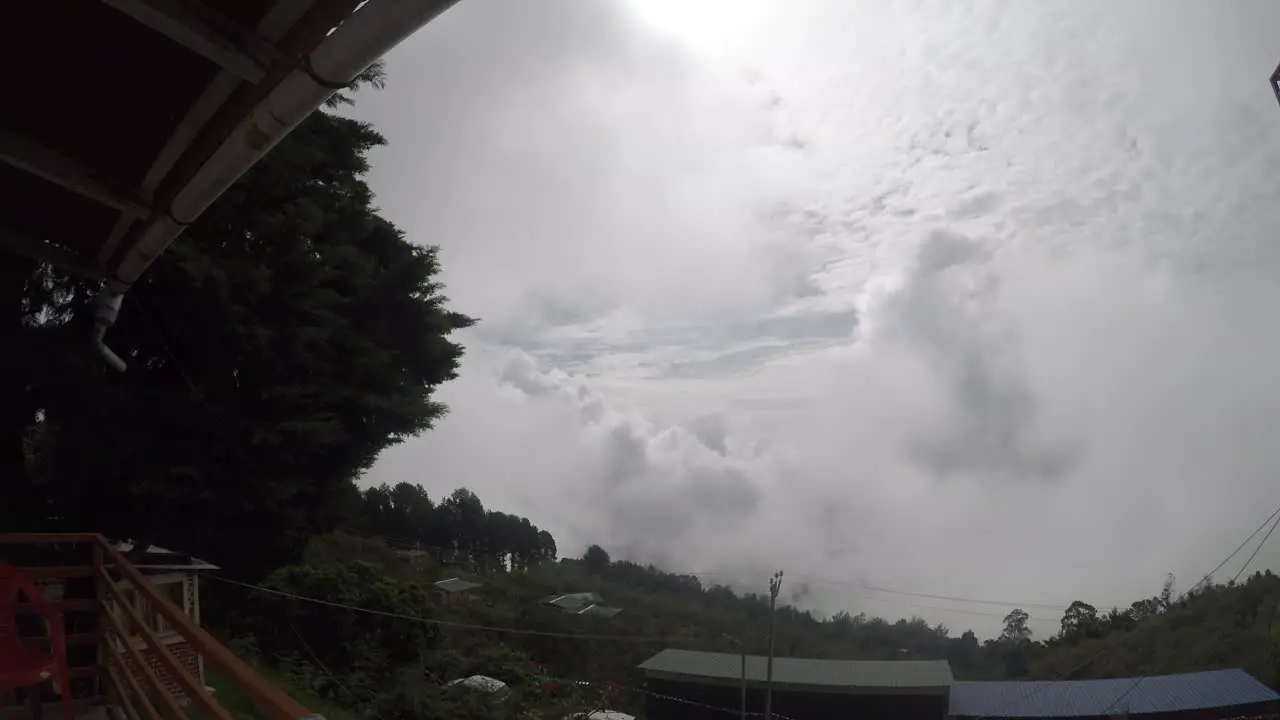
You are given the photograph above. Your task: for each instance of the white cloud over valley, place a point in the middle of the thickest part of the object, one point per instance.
(966, 300)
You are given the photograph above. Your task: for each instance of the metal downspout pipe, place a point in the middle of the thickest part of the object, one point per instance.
(369, 33)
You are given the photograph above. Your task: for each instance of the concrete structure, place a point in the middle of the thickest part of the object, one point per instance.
(684, 684)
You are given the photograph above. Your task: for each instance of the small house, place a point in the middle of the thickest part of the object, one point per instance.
(599, 611)
(572, 602)
(176, 577)
(453, 590)
(588, 603)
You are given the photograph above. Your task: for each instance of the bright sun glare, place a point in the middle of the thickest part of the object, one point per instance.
(712, 26)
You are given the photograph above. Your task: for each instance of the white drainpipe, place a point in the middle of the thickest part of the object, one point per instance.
(367, 35)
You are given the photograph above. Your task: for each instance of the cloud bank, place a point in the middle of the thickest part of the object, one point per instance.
(973, 302)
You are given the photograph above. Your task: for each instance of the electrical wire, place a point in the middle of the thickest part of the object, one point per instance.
(1257, 549)
(354, 608)
(599, 705)
(316, 659)
(409, 546)
(1041, 687)
(444, 623)
(1207, 578)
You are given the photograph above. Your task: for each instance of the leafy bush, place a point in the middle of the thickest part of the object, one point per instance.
(360, 649)
(339, 548)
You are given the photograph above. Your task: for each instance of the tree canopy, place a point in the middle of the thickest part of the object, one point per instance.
(286, 339)
(506, 631)
(289, 337)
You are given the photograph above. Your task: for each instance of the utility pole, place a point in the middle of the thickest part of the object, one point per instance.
(775, 584)
(742, 651)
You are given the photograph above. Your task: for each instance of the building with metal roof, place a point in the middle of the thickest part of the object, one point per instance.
(683, 684)
(453, 590)
(573, 602)
(455, 585)
(1202, 695)
(599, 611)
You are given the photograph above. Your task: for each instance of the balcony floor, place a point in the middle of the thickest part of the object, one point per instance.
(53, 711)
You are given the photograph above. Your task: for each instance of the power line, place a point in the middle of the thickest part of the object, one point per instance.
(948, 598)
(1206, 579)
(323, 668)
(599, 705)
(811, 579)
(815, 580)
(443, 623)
(1108, 648)
(469, 626)
(1257, 549)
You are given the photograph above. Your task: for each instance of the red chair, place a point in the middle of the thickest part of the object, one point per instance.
(21, 665)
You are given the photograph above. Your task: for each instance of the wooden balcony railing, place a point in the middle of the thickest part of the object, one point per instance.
(107, 666)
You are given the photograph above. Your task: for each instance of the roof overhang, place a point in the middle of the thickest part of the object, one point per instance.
(807, 688)
(158, 558)
(141, 112)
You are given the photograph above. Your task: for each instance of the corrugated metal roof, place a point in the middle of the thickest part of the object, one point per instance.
(454, 585)
(599, 611)
(804, 671)
(573, 602)
(1078, 698)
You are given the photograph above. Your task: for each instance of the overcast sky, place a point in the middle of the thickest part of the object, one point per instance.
(968, 299)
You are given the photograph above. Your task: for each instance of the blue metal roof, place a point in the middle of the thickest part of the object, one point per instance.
(1081, 698)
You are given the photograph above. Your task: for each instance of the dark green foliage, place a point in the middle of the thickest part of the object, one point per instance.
(458, 531)
(360, 647)
(1217, 626)
(596, 560)
(287, 338)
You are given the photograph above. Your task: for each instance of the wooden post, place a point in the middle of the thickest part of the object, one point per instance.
(101, 687)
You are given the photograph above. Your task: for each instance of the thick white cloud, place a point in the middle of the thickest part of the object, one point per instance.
(964, 300)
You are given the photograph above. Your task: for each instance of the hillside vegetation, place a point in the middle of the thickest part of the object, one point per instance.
(290, 337)
(396, 663)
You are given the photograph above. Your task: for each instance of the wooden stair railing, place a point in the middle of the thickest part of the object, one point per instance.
(132, 687)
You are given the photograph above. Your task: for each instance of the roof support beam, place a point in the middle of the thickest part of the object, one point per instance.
(29, 155)
(201, 30)
(274, 25)
(14, 241)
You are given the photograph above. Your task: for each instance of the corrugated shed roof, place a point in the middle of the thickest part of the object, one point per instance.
(599, 611)
(573, 602)
(1078, 698)
(454, 585)
(804, 671)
